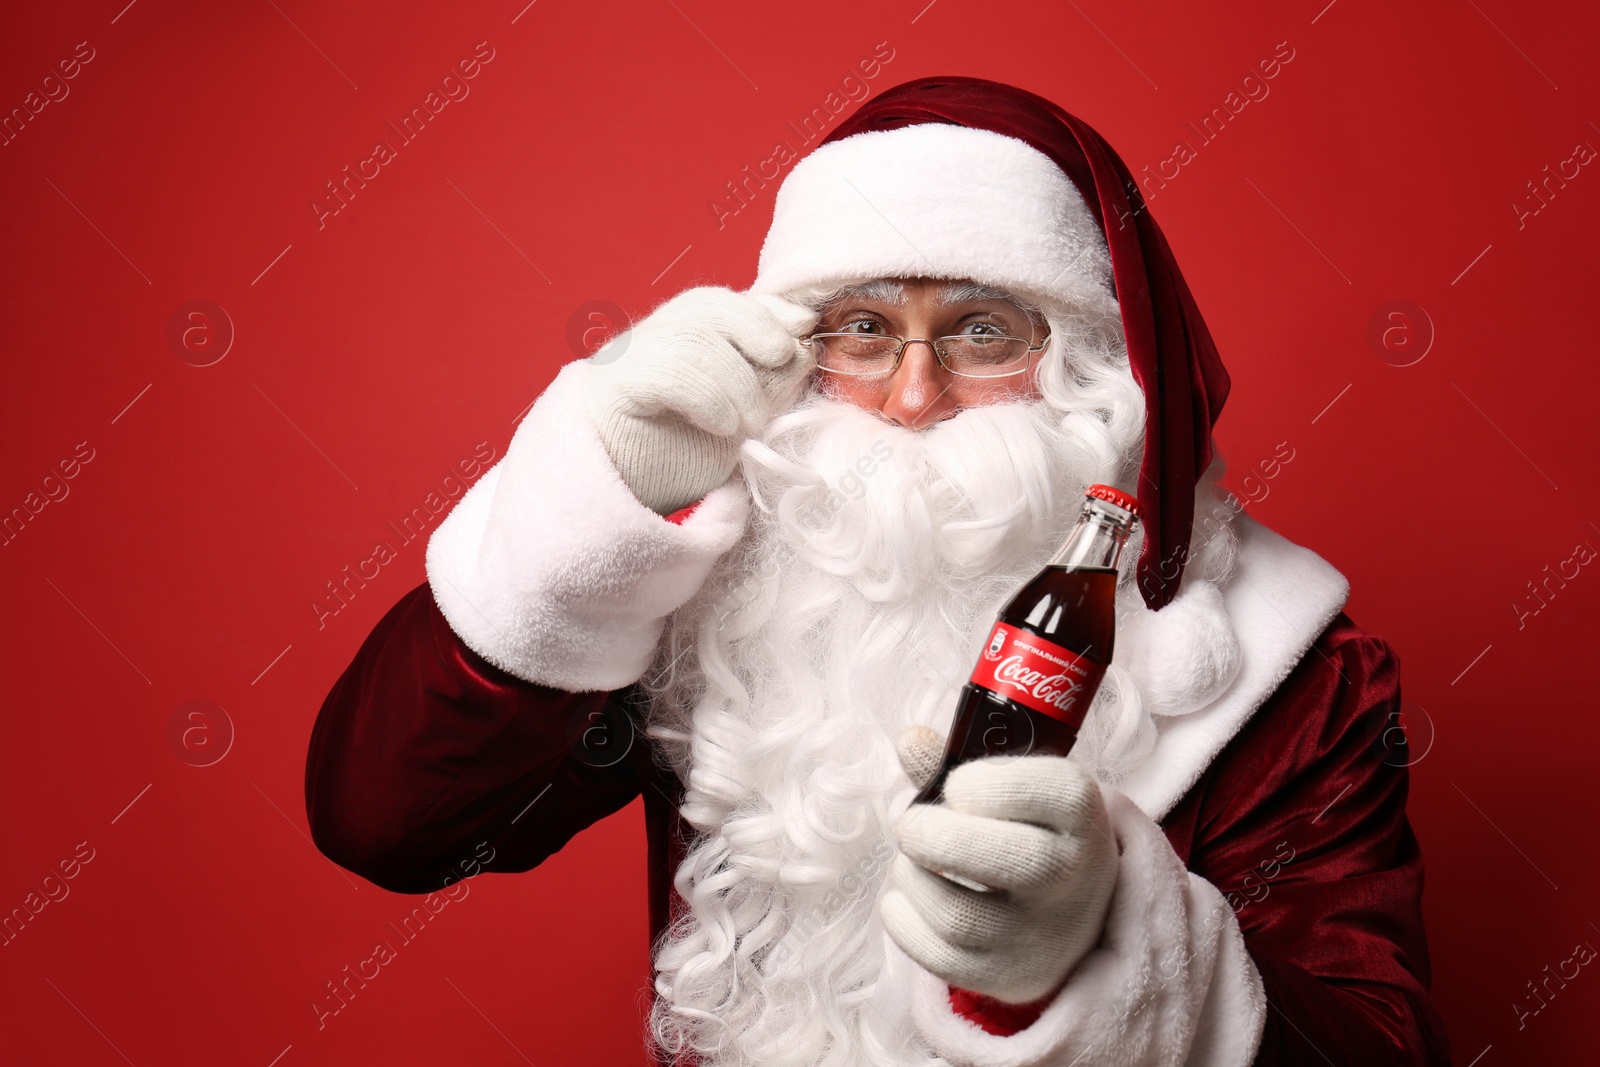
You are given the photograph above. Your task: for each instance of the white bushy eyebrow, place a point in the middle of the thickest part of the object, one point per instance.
(878, 290)
(959, 292)
(892, 291)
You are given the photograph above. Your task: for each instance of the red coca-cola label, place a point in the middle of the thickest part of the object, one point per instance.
(1038, 674)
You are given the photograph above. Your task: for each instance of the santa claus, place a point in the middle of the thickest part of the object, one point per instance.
(739, 562)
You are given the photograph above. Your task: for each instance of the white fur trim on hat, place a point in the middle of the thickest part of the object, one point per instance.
(936, 200)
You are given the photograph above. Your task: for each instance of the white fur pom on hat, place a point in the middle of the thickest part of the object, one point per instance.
(1184, 655)
(941, 201)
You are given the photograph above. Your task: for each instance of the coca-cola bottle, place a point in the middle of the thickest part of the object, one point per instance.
(1044, 659)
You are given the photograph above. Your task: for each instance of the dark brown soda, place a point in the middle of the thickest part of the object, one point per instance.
(1075, 608)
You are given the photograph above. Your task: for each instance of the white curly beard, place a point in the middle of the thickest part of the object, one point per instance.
(874, 567)
(876, 560)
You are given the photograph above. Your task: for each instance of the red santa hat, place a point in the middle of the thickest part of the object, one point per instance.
(966, 178)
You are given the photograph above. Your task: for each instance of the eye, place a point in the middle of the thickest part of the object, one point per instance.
(861, 326)
(983, 329)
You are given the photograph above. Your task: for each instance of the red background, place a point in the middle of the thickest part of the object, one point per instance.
(374, 353)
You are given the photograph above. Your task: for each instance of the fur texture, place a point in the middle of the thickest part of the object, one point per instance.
(939, 201)
(1170, 982)
(1279, 598)
(549, 567)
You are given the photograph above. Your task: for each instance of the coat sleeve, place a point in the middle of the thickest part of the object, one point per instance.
(551, 569)
(427, 763)
(493, 710)
(1302, 825)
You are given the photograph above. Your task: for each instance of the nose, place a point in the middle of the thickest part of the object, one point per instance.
(919, 389)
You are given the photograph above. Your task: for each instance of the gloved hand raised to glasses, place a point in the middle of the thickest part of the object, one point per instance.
(694, 379)
(1035, 828)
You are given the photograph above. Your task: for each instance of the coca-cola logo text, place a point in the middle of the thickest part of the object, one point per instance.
(1055, 690)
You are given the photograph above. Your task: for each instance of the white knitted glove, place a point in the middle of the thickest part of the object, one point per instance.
(694, 379)
(1036, 830)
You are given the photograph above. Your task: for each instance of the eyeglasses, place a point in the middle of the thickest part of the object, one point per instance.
(964, 355)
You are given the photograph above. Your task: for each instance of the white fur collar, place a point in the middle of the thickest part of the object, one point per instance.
(1280, 598)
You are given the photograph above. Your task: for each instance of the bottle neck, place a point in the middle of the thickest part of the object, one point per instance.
(1096, 542)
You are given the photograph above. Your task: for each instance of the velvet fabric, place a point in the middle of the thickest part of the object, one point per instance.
(423, 750)
(1169, 348)
(997, 1016)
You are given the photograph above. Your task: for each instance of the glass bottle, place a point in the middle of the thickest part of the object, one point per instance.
(1043, 661)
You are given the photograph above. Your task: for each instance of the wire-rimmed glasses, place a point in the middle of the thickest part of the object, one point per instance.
(964, 355)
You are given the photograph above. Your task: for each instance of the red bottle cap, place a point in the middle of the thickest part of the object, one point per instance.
(1115, 496)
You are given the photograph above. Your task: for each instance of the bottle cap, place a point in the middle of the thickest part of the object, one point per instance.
(1116, 498)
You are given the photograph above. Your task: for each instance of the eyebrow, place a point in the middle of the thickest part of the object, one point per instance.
(959, 292)
(890, 291)
(878, 290)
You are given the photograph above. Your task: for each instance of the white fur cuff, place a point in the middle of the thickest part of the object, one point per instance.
(550, 569)
(1170, 982)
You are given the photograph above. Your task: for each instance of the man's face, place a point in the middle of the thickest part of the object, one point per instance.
(920, 392)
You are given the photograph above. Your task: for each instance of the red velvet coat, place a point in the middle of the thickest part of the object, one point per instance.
(423, 749)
